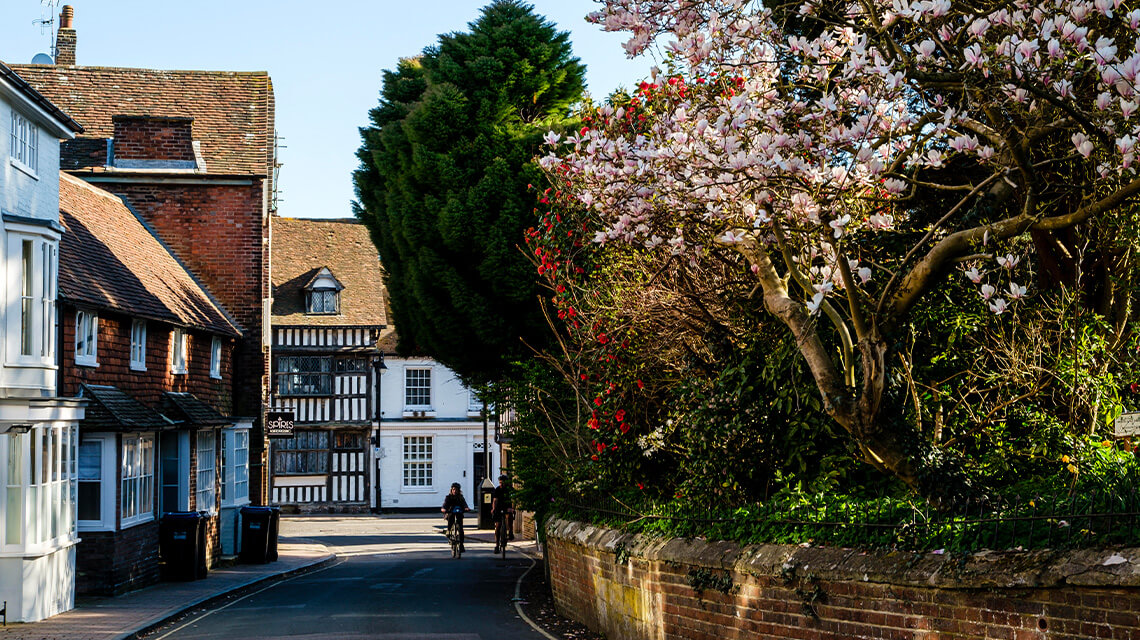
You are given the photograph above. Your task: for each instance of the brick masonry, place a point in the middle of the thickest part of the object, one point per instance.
(114, 349)
(113, 562)
(218, 232)
(153, 138)
(639, 588)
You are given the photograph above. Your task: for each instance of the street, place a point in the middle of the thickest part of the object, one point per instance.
(394, 578)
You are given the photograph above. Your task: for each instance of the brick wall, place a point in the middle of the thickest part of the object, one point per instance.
(217, 230)
(637, 588)
(153, 138)
(113, 562)
(114, 355)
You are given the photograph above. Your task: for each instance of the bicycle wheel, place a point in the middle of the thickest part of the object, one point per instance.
(501, 537)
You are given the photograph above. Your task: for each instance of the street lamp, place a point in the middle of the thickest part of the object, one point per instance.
(379, 368)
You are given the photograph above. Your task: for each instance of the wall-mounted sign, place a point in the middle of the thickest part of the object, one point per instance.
(279, 424)
(1127, 424)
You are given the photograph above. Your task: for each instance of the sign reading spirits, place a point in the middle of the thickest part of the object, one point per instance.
(279, 424)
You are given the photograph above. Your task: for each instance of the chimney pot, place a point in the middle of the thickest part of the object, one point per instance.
(65, 38)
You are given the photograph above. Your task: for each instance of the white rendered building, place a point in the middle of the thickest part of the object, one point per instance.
(38, 431)
(430, 434)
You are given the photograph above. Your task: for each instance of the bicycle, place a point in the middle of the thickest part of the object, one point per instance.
(502, 532)
(455, 532)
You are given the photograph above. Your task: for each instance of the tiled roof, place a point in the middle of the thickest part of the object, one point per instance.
(112, 410)
(187, 408)
(302, 246)
(6, 73)
(110, 260)
(232, 110)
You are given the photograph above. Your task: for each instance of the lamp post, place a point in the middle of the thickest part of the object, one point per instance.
(378, 368)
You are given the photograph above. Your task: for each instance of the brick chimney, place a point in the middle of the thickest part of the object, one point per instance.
(65, 39)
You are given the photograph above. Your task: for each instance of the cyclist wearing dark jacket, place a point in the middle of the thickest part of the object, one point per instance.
(452, 501)
(502, 510)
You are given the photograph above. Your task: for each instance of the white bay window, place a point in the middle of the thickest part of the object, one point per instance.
(137, 478)
(39, 489)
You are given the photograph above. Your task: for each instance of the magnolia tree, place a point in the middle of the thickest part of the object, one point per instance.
(853, 157)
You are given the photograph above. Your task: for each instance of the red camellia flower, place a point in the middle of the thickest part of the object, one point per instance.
(592, 423)
(1134, 387)
(620, 415)
(598, 401)
(624, 428)
(594, 458)
(640, 384)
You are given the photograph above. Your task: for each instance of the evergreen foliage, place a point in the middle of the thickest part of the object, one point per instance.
(443, 185)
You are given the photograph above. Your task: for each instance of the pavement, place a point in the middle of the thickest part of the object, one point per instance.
(126, 616)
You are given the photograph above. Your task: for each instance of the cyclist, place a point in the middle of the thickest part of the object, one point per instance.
(454, 506)
(502, 511)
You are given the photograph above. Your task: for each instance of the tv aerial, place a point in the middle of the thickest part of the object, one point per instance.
(47, 26)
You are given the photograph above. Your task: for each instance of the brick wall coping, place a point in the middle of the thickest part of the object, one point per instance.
(987, 569)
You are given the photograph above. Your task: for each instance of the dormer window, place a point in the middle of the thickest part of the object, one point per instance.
(322, 293)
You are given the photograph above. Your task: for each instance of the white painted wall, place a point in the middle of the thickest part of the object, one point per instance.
(456, 432)
(38, 587)
(36, 578)
(32, 196)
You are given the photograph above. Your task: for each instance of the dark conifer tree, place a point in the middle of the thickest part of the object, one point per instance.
(443, 185)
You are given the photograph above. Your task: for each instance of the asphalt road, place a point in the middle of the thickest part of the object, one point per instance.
(394, 579)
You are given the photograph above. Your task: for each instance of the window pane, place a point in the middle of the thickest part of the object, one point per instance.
(27, 322)
(417, 387)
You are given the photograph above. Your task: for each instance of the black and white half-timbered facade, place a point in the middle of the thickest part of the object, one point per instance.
(328, 313)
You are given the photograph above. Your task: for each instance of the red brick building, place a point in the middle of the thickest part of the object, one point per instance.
(193, 154)
(153, 353)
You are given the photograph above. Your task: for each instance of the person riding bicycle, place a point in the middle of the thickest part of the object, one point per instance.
(454, 506)
(502, 510)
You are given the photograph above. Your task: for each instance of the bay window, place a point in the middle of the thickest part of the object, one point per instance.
(137, 478)
(38, 487)
(31, 324)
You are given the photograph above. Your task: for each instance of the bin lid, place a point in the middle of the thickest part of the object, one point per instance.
(181, 515)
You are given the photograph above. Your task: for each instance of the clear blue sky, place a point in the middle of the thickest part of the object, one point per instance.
(325, 60)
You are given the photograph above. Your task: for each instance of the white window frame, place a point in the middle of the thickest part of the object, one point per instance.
(24, 144)
(408, 373)
(178, 344)
(37, 489)
(107, 477)
(87, 326)
(138, 345)
(235, 465)
(49, 273)
(32, 278)
(417, 453)
(207, 454)
(216, 358)
(137, 468)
